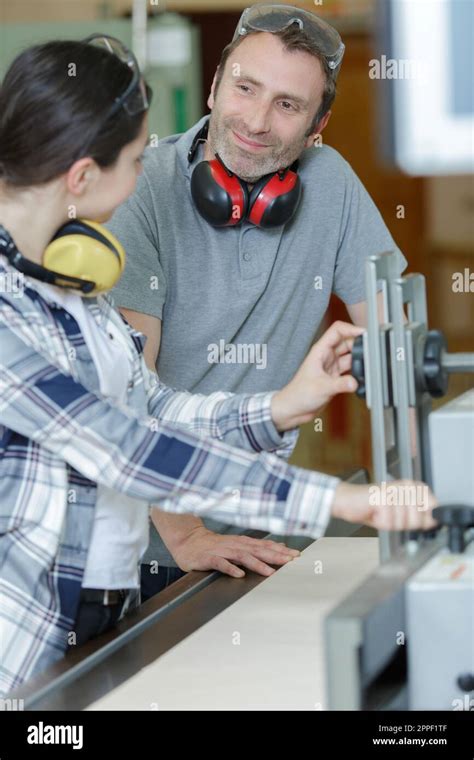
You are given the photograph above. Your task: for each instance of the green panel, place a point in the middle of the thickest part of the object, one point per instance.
(180, 109)
(177, 89)
(16, 37)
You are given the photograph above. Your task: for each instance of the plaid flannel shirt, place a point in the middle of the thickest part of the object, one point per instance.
(59, 438)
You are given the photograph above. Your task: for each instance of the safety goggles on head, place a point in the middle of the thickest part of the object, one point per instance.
(276, 18)
(137, 96)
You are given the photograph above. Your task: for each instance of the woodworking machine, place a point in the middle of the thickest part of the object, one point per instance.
(405, 638)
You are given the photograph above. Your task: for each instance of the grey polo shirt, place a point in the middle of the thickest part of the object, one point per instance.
(241, 305)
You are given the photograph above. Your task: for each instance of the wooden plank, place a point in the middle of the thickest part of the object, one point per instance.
(266, 651)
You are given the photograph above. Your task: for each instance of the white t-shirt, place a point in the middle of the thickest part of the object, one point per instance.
(120, 533)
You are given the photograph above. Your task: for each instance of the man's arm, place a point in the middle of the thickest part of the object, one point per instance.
(358, 311)
(151, 328)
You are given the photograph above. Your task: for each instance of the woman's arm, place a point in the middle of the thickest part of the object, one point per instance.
(153, 460)
(257, 421)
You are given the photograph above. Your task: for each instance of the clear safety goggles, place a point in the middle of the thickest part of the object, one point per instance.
(137, 96)
(275, 18)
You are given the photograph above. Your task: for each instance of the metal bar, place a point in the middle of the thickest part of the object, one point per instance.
(399, 370)
(380, 267)
(410, 291)
(458, 362)
(374, 368)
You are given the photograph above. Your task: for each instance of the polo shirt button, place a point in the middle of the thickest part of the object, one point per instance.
(247, 256)
(131, 385)
(111, 336)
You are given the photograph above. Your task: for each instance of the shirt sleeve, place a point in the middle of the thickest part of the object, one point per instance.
(363, 233)
(142, 286)
(242, 420)
(154, 461)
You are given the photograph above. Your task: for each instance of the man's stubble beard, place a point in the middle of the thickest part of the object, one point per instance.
(250, 167)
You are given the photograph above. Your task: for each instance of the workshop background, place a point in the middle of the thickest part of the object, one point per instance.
(436, 232)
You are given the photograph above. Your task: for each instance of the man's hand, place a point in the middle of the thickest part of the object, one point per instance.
(202, 549)
(320, 377)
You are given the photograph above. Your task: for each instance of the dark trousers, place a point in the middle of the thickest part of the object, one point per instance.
(94, 618)
(153, 583)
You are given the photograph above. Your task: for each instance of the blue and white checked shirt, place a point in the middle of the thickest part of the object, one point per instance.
(59, 438)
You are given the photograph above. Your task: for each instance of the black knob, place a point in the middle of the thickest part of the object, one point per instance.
(358, 369)
(466, 682)
(457, 518)
(434, 376)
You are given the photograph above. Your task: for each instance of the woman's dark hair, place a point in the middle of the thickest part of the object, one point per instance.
(54, 103)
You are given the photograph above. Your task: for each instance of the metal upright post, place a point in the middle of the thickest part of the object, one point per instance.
(382, 267)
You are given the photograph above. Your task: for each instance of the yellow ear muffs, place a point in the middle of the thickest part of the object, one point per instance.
(88, 251)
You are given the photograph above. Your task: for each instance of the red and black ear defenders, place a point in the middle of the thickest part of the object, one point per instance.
(224, 200)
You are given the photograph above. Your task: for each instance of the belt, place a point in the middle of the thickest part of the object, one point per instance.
(106, 597)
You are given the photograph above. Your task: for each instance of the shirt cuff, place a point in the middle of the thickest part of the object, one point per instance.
(257, 413)
(309, 502)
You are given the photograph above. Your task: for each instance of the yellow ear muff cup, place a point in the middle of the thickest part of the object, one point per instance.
(88, 251)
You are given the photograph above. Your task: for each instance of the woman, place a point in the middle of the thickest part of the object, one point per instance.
(89, 437)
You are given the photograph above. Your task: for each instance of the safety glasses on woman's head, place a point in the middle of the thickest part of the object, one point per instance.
(137, 96)
(275, 18)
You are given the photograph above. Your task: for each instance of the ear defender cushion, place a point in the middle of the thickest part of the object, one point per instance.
(86, 250)
(274, 199)
(220, 198)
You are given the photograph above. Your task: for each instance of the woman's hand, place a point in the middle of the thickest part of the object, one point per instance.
(396, 505)
(321, 376)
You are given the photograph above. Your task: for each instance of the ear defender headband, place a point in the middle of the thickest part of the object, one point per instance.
(83, 255)
(224, 200)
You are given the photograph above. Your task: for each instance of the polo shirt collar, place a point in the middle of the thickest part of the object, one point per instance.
(183, 146)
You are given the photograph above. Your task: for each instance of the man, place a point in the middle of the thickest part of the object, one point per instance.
(237, 307)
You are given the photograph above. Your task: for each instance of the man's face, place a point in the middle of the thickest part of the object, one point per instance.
(264, 106)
